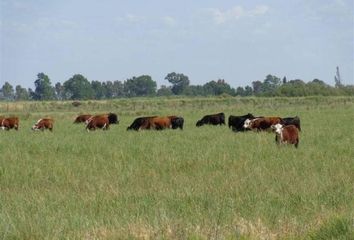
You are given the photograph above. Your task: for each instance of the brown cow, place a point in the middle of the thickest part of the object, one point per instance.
(9, 123)
(286, 134)
(97, 122)
(43, 123)
(139, 122)
(160, 123)
(82, 118)
(261, 123)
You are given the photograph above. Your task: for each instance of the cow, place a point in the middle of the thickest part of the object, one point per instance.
(286, 134)
(139, 122)
(237, 122)
(214, 119)
(82, 118)
(177, 122)
(261, 123)
(9, 123)
(291, 121)
(43, 123)
(99, 121)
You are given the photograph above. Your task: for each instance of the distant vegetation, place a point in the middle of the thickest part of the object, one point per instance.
(80, 88)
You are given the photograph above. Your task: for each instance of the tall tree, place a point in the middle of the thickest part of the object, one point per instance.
(140, 86)
(8, 91)
(179, 82)
(78, 87)
(59, 91)
(21, 93)
(43, 88)
(99, 90)
(218, 87)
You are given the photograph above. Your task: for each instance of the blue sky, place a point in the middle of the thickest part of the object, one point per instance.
(239, 41)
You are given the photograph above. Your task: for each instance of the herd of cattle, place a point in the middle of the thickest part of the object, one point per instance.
(286, 129)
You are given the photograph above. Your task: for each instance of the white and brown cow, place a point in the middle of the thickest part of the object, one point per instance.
(9, 123)
(43, 123)
(286, 134)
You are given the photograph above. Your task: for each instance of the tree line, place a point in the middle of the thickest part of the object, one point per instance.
(80, 88)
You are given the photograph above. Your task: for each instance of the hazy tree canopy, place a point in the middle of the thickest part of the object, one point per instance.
(218, 87)
(179, 82)
(78, 87)
(140, 86)
(21, 93)
(8, 91)
(43, 88)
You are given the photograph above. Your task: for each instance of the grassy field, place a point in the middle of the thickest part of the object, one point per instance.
(199, 183)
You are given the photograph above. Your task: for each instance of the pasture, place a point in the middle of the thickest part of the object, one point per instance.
(199, 183)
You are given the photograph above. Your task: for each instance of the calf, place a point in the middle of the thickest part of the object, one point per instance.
(286, 134)
(43, 123)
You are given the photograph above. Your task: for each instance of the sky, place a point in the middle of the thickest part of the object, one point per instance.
(239, 41)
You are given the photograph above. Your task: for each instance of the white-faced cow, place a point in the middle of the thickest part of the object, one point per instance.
(286, 134)
(43, 123)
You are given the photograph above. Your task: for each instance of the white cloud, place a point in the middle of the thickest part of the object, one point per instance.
(235, 13)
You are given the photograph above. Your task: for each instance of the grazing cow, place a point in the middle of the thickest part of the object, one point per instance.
(261, 123)
(43, 123)
(214, 119)
(177, 122)
(237, 122)
(9, 123)
(139, 122)
(286, 134)
(291, 121)
(157, 123)
(99, 121)
(82, 118)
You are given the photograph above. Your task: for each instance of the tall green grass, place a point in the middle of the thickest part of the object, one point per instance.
(199, 183)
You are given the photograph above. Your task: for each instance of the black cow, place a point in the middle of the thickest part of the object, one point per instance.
(214, 119)
(237, 122)
(177, 122)
(291, 121)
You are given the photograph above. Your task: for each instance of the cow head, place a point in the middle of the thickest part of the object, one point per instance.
(113, 118)
(247, 123)
(277, 128)
(199, 123)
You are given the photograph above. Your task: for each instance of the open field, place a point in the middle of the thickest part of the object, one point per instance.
(199, 183)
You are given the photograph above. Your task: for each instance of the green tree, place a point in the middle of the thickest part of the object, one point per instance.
(140, 86)
(78, 87)
(218, 87)
(99, 90)
(179, 82)
(21, 93)
(164, 91)
(8, 91)
(270, 85)
(59, 91)
(43, 88)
